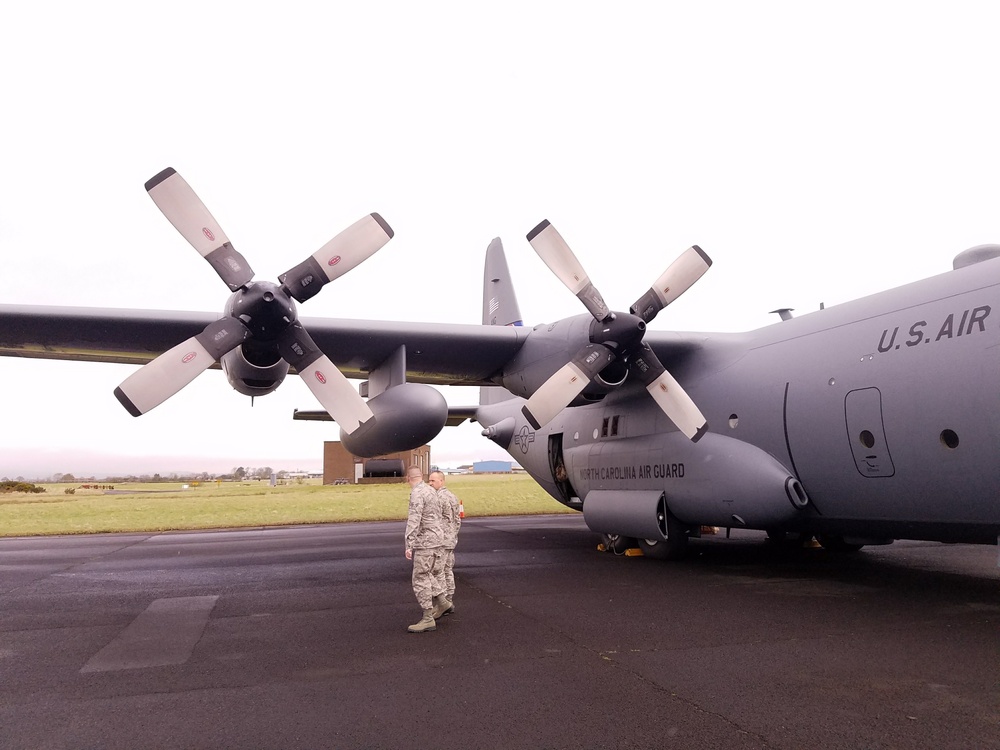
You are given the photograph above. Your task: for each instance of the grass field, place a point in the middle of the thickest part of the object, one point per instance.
(168, 506)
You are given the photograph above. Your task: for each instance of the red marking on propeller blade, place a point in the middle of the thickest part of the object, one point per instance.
(320, 377)
(208, 233)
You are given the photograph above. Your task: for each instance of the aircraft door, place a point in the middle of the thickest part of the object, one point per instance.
(557, 465)
(866, 433)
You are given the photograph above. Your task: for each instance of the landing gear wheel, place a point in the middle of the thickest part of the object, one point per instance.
(789, 539)
(834, 543)
(665, 549)
(673, 543)
(617, 543)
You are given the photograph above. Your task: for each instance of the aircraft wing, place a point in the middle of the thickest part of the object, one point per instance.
(456, 415)
(436, 353)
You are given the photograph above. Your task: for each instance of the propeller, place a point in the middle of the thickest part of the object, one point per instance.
(616, 336)
(184, 209)
(261, 313)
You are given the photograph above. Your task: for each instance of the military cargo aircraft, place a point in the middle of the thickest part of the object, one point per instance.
(857, 424)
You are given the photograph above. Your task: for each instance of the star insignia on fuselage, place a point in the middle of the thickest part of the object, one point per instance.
(524, 438)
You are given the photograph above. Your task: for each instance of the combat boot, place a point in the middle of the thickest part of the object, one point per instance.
(442, 606)
(426, 623)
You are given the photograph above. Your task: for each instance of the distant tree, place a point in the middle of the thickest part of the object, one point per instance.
(20, 486)
(238, 473)
(68, 478)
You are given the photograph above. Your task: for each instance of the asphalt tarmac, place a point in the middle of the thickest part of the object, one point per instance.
(296, 638)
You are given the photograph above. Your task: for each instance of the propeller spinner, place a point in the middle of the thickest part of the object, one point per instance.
(259, 312)
(616, 336)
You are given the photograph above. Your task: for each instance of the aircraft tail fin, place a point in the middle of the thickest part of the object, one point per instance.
(499, 307)
(499, 302)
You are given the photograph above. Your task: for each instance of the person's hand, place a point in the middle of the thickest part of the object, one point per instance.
(409, 554)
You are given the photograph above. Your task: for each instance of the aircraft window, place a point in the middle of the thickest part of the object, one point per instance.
(867, 439)
(734, 421)
(604, 427)
(614, 426)
(949, 438)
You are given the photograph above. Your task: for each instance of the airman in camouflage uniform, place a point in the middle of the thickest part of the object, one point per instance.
(444, 604)
(424, 539)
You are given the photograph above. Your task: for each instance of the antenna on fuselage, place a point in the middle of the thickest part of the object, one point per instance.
(785, 313)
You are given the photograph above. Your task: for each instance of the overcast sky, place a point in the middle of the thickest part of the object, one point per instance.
(819, 152)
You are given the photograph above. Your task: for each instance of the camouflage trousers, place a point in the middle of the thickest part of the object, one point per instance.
(448, 555)
(428, 575)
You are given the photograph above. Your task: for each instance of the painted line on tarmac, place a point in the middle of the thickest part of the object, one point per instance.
(163, 634)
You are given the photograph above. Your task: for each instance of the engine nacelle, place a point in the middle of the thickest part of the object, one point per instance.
(549, 348)
(406, 416)
(254, 372)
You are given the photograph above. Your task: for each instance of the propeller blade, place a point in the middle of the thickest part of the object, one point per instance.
(554, 251)
(677, 279)
(179, 203)
(328, 384)
(348, 249)
(556, 393)
(156, 381)
(669, 396)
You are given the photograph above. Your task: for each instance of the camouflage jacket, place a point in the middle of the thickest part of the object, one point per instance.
(452, 520)
(424, 522)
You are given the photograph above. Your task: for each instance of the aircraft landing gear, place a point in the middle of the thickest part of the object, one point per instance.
(835, 543)
(665, 549)
(667, 540)
(675, 542)
(617, 543)
(790, 539)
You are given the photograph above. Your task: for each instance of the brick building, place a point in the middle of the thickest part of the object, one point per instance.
(340, 466)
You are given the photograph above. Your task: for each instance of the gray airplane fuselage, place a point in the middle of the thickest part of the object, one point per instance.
(876, 418)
